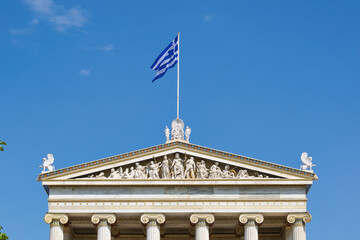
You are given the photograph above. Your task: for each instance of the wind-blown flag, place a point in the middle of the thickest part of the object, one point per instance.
(167, 59)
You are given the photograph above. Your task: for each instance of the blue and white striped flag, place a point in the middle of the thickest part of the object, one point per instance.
(167, 59)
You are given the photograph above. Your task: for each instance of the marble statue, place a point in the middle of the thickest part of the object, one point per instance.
(215, 171)
(115, 174)
(177, 129)
(129, 175)
(165, 168)
(177, 167)
(154, 170)
(187, 133)
(167, 133)
(307, 161)
(101, 176)
(227, 173)
(190, 168)
(48, 163)
(242, 174)
(201, 170)
(140, 171)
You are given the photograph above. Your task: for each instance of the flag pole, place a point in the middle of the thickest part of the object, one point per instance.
(178, 73)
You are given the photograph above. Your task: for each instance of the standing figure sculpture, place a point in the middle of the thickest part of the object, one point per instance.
(177, 167)
(187, 133)
(190, 168)
(165, 168)
(201, 170)
(167, 133)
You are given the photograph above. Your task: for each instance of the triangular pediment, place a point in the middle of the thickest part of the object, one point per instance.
(176, 160)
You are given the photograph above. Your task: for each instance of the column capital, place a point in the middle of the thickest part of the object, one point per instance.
(61, 217)
(159, 218)
(110, 218)
(292, 217)
(245, 217)
(208, 218)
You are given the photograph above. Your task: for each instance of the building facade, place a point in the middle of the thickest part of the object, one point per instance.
(177, 190)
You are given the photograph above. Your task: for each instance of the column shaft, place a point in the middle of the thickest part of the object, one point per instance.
(56, 230)
(299, 230)
(152, 230)
(251, 230)
(202, 230)
(103, 230)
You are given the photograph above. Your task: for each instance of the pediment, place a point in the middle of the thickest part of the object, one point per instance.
(176, 160)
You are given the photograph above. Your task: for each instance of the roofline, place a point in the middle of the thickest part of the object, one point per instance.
(154, 149)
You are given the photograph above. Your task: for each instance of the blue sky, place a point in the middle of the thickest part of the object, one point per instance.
(265, 79)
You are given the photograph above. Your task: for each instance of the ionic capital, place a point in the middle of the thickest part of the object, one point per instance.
(257, 217)
(146, 218)
(50, 217)
(208, 218)
(110, 218)
(292, 217)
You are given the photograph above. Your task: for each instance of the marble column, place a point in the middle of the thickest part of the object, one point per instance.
(251, 223)
(103, 223)
(152, 223)
(202, 223)
(57, 222)
(297, 221)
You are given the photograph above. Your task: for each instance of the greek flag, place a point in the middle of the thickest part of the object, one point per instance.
(167, 59)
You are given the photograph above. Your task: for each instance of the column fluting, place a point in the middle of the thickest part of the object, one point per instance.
(297, 221)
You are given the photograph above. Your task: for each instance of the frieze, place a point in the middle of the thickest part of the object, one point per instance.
(177, 167)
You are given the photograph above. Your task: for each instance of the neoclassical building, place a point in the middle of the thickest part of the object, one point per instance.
(177, 190)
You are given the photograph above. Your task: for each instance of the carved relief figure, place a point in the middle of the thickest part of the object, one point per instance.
(226, 173)
(215, 171)
(177, 167)
(129, 175)
(201, 170)
(101, 176)
(190, 168)
(140, 171)
(165, 170)
(154, 170)
(114, 174)
(242, 174)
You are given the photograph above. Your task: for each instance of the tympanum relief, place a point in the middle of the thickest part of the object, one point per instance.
(177, 167)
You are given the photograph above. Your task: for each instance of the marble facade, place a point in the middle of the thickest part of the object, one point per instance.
(203, 194)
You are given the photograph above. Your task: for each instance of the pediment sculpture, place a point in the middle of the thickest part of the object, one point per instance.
(175, 167)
